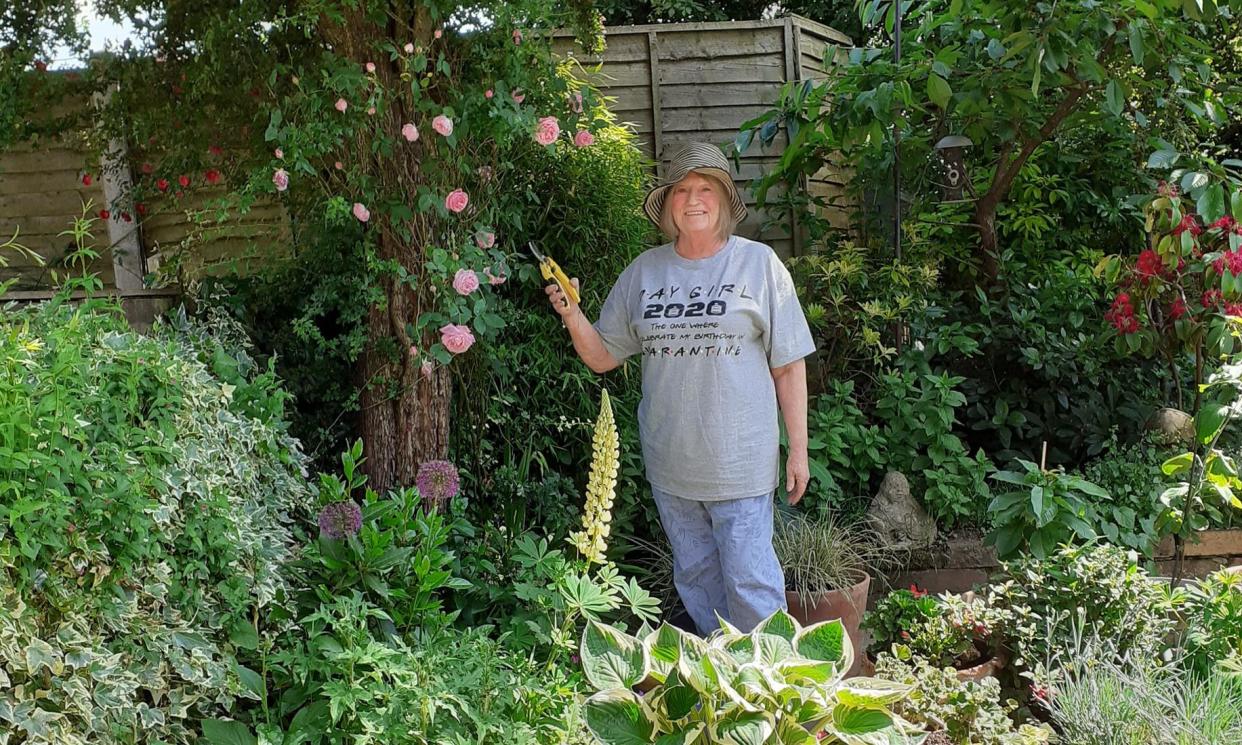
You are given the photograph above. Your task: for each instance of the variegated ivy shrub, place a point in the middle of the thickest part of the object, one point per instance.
(781, 683)
(147, 489)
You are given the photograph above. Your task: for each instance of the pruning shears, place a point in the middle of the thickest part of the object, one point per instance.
(551, 270)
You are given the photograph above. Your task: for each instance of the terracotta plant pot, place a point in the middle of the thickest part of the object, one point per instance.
(986, 669)
(847, 605)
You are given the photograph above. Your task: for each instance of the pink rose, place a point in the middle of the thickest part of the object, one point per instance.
(370, 111)
(465, 281)
(575, 103)
(547, 130)
(456, 201)
(517, 36)
(361, 212)
(438, 33)
(488, 93)
(281, 179)
(518, 95)
(280, 153)
(409, 47)
(484, 239)
(339, 165)
(413, 351)
(443, 125)
(370, 67)
(584, 138)
(409, 132)
(428, 367)
(341, 105)
(456, 338)
(495, 279)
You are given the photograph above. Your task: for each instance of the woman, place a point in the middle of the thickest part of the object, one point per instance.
(722, 338)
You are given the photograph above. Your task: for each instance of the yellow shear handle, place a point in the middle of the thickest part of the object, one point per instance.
(550, 270)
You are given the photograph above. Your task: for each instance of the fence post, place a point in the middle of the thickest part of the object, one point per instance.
(123, 237)
(657, 119)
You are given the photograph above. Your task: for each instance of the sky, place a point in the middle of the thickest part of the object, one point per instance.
(101, 30)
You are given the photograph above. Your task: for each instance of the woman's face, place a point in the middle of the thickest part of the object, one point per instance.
(695, 204)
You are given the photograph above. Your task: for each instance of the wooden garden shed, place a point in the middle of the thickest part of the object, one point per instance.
(681, 82)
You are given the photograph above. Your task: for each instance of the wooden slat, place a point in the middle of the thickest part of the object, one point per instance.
(741, 70)
(721, 44)
(696, 120)
(814, 29)
(627, 98)
(622, 73)
(696, 96)
(42, 161)
(620, 47)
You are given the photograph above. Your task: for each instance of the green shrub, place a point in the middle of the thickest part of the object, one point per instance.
(145, 504)
(846, 452)
(1213, 613)
(945, 631)
(1132, 476)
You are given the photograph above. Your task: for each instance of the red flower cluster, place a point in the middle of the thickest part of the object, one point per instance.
(1149, 266)
(1189, 222)
(916, 592)
(1226, 223)
(1168, 190)
(1178, 309)
(1233, 309)
(1231, 260)
(1121, 315)
(1212, 298)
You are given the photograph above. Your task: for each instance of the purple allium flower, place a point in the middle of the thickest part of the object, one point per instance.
(340, 520)
(437, 481)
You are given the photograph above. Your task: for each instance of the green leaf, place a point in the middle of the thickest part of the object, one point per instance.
(1211, 204)
(1209, 421)
(251, 681)
(744, 728)
(1136, 43)
(850, 721)
(611, 658)
(678, 699)
(939, 91)
(771, 649)
(1114, 98)
(227, 732)
(871, 693)
(616, 717)
(826, 642)
(663, 648)
(1163, 159)
(245, 635)
(779, 624)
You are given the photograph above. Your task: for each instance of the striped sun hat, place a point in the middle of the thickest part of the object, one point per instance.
(698, 157)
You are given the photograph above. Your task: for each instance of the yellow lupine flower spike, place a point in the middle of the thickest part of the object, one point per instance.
(601, 486)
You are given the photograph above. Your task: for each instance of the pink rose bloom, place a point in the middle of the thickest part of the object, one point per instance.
(584, 138)
(443, 125)
(280, 153)
(281, 179)
(495, 279)
(547, 130)
(485, 239)
(370, 111)
(413, 351)
(456, 201)
(575, 103)
(361, 212)
(428, 367)
(465, 281)
(370, 67)
(439, 33)
(517, 36)
(409, 47)
(339, 165)
(518, 95)
(341, 105)
(409, 132)
(456, 338)
(488, 93)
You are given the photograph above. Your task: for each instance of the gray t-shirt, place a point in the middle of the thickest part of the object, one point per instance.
(709, 332)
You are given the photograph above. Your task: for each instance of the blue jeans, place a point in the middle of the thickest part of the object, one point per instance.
(723, 560)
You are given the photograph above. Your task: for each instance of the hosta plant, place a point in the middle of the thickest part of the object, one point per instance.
(781, 683)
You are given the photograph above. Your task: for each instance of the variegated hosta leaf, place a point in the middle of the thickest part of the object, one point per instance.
(790, 732)
(617, 717)
(780, 624)
(857, 726)
(691, 665)
(611, 658)
(692, 735)
(871, 693)
(742, 648)
(826, 642)
(675, 700)
(663, 650)
(771, 649)
(798, 670)
(744, 728)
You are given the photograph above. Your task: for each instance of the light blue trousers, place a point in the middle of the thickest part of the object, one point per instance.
(723, 560)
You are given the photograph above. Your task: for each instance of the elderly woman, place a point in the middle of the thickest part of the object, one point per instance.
(722, 337)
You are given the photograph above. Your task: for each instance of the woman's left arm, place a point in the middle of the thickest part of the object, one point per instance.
(791, 396)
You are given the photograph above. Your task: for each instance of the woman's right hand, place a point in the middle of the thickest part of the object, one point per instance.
(562, 304)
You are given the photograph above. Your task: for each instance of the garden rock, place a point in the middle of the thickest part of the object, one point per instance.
(898, 518)
(1172, 426)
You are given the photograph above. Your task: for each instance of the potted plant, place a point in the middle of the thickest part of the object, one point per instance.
(962, 632)
(828, 570)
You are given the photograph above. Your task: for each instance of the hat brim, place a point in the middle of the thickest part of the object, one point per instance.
(653, 205)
